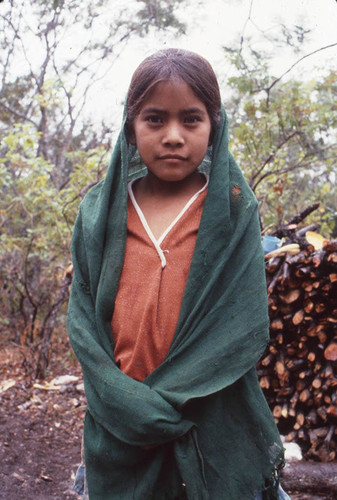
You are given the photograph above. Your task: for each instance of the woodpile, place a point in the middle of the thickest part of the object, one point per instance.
(297, 372)
(313, 478)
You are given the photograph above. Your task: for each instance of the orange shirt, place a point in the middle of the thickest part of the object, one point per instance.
(151, 287)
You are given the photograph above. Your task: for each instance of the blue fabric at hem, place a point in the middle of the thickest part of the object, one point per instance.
(282, 495)
(79, 480)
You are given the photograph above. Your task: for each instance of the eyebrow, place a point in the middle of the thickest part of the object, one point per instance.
(195, 110)
(188, 111)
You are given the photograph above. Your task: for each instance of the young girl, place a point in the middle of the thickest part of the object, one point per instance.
(168, 309)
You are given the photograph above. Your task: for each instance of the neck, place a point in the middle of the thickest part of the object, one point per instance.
(151, 186)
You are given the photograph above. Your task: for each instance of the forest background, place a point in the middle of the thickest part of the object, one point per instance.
(59, 114)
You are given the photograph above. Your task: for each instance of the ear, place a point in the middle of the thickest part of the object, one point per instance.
(211, 137)
(132, 139)
(132, 136)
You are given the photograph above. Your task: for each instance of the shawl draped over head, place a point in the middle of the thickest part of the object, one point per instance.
(200, 419)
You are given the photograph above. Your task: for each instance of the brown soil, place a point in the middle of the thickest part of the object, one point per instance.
(40, 430)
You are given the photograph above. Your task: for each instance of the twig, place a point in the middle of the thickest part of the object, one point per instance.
(268, 89)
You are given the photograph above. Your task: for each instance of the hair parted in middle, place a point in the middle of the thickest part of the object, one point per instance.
(169, 65)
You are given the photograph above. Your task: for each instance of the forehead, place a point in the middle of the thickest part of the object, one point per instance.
(172, 96)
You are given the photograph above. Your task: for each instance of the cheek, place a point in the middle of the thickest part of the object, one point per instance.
(206, 138)
(143, 139)
(205, 135)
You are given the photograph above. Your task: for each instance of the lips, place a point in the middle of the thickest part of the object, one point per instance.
(172, 157)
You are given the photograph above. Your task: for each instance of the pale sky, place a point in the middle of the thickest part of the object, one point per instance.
(211, 24)
(214, 23)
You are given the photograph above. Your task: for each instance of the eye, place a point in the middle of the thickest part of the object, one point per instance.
(192, 119)
(154, 119)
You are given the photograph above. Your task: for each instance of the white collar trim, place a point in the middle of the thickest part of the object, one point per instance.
(147, 228)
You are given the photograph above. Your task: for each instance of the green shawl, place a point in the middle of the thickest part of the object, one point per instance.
(203, 406)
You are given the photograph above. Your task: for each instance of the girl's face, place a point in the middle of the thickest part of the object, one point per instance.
(172, 131)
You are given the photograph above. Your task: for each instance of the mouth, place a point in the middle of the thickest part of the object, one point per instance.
(172, 157)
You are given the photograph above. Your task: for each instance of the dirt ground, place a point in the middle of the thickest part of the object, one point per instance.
(41, 427)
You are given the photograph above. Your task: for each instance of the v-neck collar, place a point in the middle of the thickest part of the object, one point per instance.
(157, 242)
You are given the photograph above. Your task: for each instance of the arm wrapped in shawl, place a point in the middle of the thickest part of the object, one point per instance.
(128, 409)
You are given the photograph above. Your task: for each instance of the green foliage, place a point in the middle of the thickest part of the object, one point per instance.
(58, 51)
(88, 169)
(284, 138)
(35, 230)
(160, 14)
(14, 95)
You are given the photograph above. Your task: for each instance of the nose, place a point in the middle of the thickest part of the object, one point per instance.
(173, 135)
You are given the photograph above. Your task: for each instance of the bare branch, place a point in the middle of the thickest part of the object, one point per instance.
(271, 157)
(303, 163)
(249, 18)
(268, 89)
(18, 114)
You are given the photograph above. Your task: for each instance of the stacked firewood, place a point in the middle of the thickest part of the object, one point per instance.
(297, 372)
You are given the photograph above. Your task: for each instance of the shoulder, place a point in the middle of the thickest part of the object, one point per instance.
(87, 213)
(240, 191)
(92, 197)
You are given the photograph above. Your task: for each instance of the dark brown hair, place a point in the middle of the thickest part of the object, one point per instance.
(174, 64)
